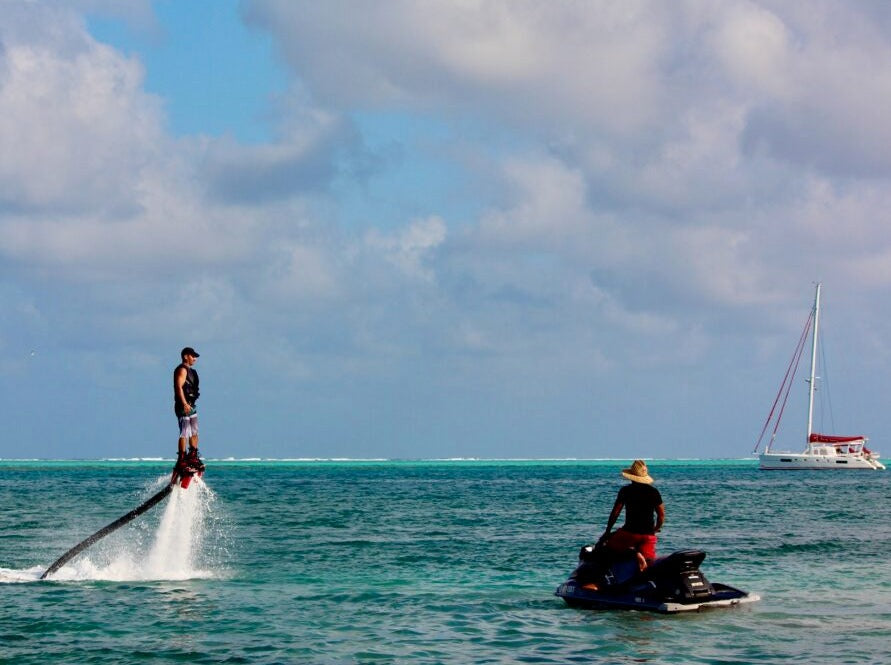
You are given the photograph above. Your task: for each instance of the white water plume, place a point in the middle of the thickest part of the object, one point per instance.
(179, 534)
(174, 551)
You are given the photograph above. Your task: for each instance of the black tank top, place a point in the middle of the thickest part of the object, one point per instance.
(190, 386)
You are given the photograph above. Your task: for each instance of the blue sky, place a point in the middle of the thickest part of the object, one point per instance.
(215, 75)
(398, 229)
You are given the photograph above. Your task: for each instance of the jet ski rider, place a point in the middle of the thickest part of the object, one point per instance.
(644, 516)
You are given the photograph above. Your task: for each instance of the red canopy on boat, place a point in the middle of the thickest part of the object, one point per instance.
(829, 438)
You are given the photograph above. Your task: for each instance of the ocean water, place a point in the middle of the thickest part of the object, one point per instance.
(430, 562)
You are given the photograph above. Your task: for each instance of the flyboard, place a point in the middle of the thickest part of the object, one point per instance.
(183, 476)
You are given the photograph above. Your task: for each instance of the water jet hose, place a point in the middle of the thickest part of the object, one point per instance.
(114, 526)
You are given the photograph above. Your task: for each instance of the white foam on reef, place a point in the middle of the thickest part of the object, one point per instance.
(172, 552)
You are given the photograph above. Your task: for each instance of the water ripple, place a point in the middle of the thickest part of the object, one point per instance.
(443, 563)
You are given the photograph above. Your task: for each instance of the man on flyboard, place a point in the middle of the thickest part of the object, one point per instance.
(185, 394)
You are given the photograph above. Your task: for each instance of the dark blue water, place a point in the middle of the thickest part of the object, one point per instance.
(431, 562)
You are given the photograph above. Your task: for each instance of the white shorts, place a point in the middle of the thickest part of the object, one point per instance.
(188, 425)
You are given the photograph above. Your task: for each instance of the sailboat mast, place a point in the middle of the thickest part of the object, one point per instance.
(812, 380)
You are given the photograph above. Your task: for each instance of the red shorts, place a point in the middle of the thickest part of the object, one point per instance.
(641, 542)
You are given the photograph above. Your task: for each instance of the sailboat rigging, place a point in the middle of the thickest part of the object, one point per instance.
(822, 451)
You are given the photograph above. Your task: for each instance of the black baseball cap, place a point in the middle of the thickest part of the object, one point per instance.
(188, 351)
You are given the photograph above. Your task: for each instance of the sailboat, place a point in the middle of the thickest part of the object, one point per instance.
(822, 451)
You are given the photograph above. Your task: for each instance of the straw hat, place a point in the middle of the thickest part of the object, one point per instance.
(638, 473)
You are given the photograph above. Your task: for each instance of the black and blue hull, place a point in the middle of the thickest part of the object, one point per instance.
(721, 596)
(670, 585)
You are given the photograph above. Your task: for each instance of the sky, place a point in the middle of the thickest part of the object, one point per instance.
(491, 229)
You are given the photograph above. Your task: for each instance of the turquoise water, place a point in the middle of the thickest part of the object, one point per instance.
(425, 562)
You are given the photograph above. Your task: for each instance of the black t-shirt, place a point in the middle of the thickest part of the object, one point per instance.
(640, 502)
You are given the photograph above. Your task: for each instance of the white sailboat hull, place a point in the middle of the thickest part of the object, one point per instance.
(809, 461)
(823, 452)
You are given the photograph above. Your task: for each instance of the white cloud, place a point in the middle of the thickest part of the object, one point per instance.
(91, 186)
(302, 161)
(594, 62)
(636, 177)
(753, 45)
(630, 177)
(409, 249)
(75, 128)
(549, 205)
(308, 274)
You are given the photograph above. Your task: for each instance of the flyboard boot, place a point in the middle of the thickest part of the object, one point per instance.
(188, 464)
(194, 461)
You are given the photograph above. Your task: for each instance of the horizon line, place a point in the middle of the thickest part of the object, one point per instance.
(230, 459)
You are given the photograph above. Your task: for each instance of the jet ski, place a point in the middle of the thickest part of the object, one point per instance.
(605, 579)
